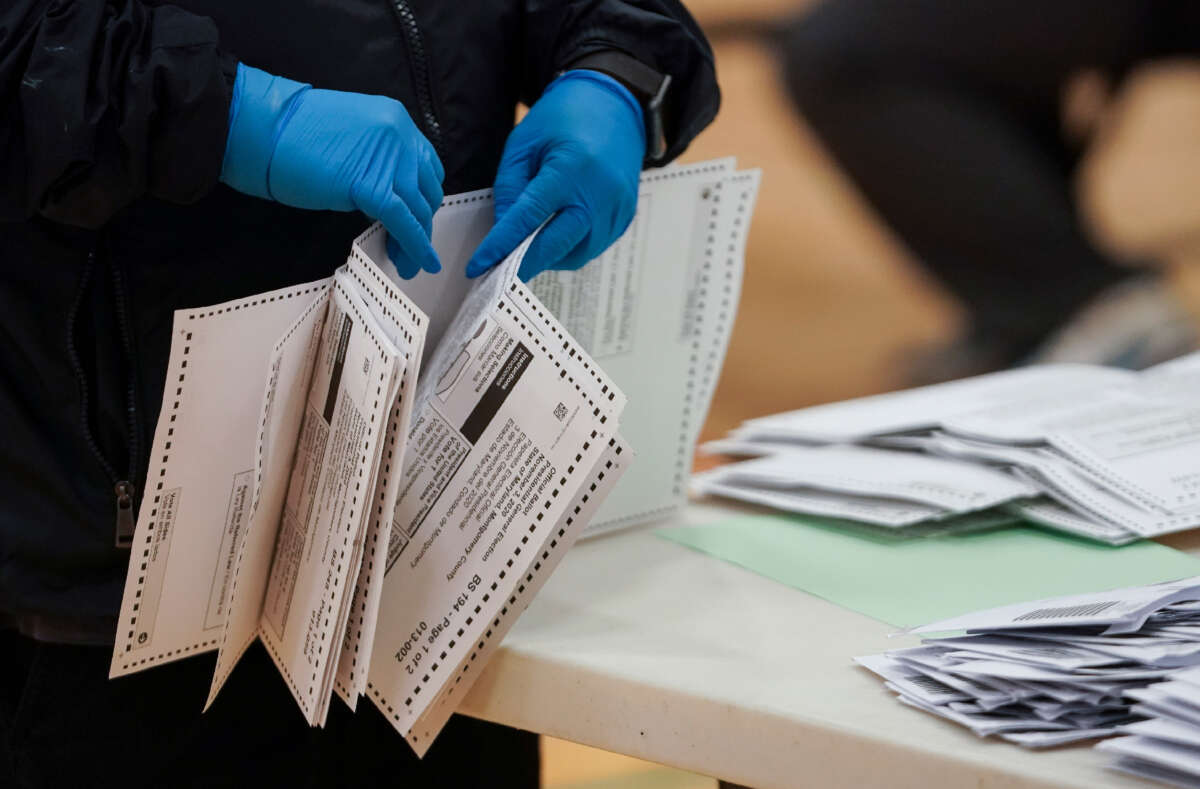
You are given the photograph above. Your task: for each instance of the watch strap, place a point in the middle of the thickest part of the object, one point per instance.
(647, 85)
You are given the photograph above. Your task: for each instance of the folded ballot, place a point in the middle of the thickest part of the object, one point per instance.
(1107, 454)
(373, 477)
(1052, 672)
(306, 479)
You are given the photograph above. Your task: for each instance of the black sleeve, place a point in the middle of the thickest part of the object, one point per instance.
(103, 101)
(659, 33)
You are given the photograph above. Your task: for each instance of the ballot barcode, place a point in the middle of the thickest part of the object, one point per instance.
(1066, 612)
(929, 685)
(560, 412)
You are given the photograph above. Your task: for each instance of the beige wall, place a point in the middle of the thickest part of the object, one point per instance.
(832, 301)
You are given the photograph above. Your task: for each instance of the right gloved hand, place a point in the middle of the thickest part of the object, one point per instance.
(327, 149)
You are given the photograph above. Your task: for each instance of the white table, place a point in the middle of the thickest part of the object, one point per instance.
(644, 647)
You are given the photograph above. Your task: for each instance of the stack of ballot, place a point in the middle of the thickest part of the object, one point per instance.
(1051, 672)
(1166, 745)
(1098, 452)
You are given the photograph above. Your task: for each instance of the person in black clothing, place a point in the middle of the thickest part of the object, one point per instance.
(159, 156)
(946, 114)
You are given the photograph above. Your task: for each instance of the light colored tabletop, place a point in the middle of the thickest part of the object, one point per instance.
(647, 648)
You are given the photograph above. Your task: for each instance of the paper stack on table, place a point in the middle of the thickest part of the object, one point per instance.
(1166, 746)
(1107, 454)
(1054, 671)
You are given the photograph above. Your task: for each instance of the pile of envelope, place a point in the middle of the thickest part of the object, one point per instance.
(1051, 672)
(1108, 454)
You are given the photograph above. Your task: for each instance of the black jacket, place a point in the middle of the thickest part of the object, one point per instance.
(112, 127)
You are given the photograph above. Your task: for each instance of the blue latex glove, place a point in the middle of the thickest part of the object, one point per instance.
(327, 149)
(576, 156)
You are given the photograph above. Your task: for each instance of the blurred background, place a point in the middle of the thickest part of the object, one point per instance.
(835, 303)
(971, 184)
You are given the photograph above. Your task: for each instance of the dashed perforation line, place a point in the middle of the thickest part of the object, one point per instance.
(683, 448)
(259, 465)
(305, 699)
(701, 379)
(354, 639)
(181, 374)
(376, 276)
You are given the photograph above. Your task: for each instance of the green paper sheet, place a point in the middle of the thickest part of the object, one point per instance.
(909, 582)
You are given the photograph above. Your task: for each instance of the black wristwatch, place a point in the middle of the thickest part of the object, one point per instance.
(648, 86)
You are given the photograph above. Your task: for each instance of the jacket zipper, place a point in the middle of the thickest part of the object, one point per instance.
(126, 523)
(422, 79)
(125, 492)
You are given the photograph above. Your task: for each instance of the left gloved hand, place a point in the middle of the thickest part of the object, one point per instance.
(576, 156)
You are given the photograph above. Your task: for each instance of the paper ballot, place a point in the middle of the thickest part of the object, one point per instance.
(1117, 610)
(503, 438)
(374, 476)
(946, 486)
(1110, 455)
(1052, 672)
(657, 311)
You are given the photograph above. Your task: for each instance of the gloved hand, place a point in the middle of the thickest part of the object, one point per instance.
(579, 153)
(327, 149)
